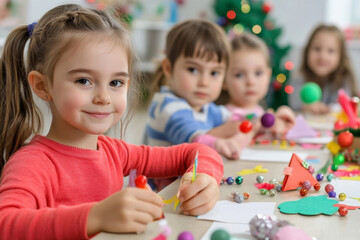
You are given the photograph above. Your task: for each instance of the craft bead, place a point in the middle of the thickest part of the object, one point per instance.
(245, 126)
(259, 179)
(342, 196)
(307, 185)
(334, 167)
(186, 236)
(278, 187)
(220, 234)
(329, 188)
(273, 181)
(267, 120)
(305, 164)
(311, 169)
(329, 177)
(239, 180)
(339, 159)
(332, 194)
(140, 181)
(246, 195)
(239, 198)
(319, 176)
(223, 180)
(263, 191)
(272, 193)
(317, 186)
(230, 180)
(303, 191)
(343, 211)
(345, 139)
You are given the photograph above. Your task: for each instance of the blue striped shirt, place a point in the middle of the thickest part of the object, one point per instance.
(171, 120)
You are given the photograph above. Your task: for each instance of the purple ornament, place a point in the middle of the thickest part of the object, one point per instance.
(307, 185)
(267, 120)
(185, 236)
(230, 180)
(332, 194)
(311, 169)
(319, 176)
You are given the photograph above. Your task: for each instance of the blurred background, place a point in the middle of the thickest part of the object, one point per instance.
(284, 25)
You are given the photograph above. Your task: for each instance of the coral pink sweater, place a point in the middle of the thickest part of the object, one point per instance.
(47, 188)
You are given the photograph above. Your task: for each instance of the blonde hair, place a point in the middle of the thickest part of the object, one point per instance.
(55, 32)
(192, 38)
(343, 72)
(245, 41)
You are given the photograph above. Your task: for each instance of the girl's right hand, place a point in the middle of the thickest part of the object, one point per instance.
(231, 148)
(129, 210)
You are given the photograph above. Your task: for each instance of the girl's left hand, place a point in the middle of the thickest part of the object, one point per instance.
(200, 196)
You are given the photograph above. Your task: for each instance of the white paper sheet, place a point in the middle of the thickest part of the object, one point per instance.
(232, 212)
(236, 230)
(350, 187)
(269, 155)
(315, 140)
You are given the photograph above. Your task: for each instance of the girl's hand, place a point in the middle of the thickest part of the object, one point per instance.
(284, 120)
(200, 196)
(129, 210)
(316, 108)
(231, 148)
(225, 130)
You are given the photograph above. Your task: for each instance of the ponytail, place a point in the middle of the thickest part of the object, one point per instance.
(19, 116)
(159, 80)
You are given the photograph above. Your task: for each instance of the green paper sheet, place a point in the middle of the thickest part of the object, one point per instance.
(310, 206)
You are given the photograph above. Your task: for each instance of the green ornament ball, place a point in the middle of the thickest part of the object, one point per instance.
(310, 93)
(330, 177)
(339, 159)
(239, 180)
(220, 234)
(334, 167)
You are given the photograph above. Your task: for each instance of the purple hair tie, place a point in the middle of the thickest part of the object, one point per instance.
(31, 27)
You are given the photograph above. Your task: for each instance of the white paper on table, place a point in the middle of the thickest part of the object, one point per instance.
(315, 140)
(269, 155)
(350, 187)
(233, 212)
(236, 230)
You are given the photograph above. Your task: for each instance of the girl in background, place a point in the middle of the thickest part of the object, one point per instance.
(247, 82)
(325, 62)
(68, 184)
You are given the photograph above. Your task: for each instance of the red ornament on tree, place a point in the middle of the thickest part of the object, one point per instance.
(277, 86)
(266, 7)
(180, 2)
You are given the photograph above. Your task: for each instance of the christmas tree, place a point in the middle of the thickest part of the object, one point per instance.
(236, 16)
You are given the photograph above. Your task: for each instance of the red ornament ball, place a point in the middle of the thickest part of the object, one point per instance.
(277, 86)
(303, 192)
(329, 188)
(140, 181)
(245, 126)
(345, 139)
(266, 7)
(317, 186)
(343, 211)
(246, 195)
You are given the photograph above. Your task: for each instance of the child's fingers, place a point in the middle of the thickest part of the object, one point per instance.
(149, 196)
(202, 181)
(201, 209)
(185, 180)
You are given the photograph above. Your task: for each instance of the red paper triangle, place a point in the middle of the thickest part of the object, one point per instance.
(298, 175)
